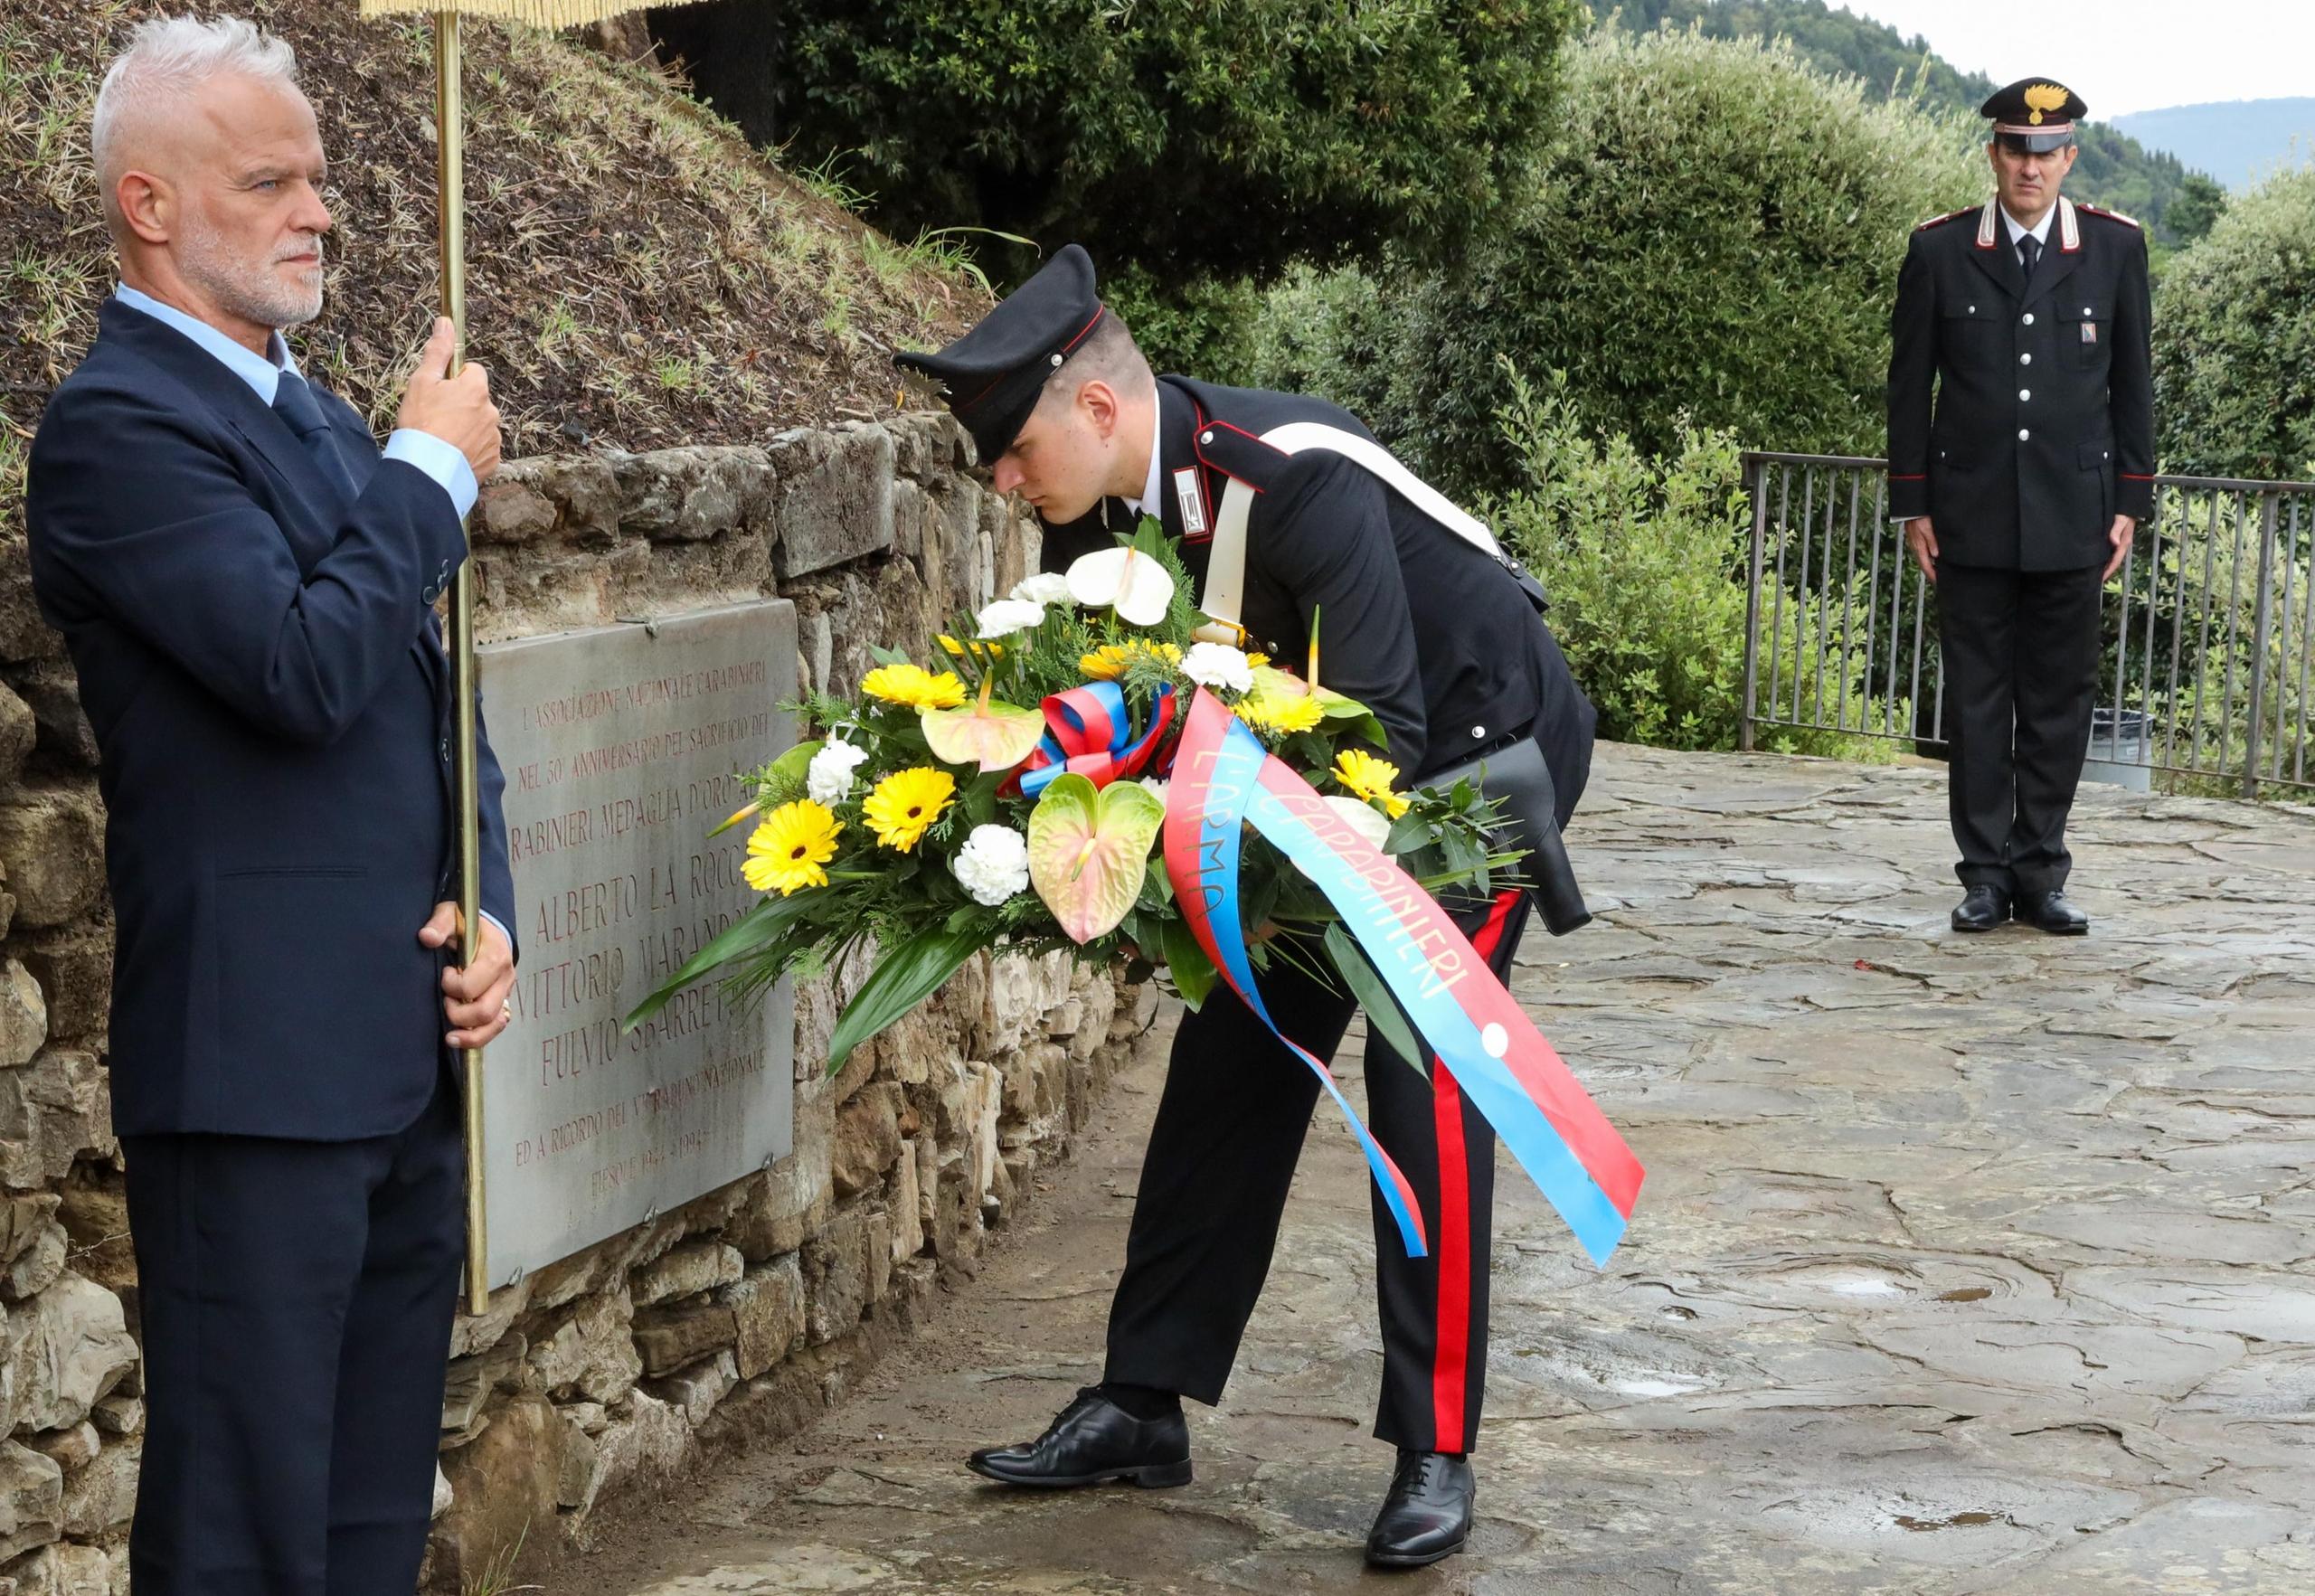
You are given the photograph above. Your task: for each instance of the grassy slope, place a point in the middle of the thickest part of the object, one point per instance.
(637, 275)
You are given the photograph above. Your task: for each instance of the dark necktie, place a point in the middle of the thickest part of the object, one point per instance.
(2029, 250)
(295, 404)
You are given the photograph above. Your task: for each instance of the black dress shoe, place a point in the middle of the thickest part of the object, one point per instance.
(2050, 912)
(1982, 910)
(1428, 1514)
(1095, 1441)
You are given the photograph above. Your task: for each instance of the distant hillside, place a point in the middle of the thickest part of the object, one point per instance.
(2114, 169)
(2238, 142)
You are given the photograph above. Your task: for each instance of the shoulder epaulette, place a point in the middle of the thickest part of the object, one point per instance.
(2109, 215)
(1235, 452)
(1941, 221)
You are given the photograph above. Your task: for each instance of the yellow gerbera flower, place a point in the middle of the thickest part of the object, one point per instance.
(1276, 711)
(1370, 778)
(1107, 663)
(906, 802)
(1256, 660)
(786, 851)
(915, 686)
(957, 650)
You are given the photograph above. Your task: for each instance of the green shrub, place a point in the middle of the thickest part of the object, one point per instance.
(1202, 328)
(1715, 233)
(2234, 340)
(1192, 140)
(1646, 559)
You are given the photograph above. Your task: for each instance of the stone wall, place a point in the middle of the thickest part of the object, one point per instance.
(742, 1314)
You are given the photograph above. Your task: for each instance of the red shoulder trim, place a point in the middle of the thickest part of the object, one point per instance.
(2109, 215)
(1949, 216)
(1234, 446)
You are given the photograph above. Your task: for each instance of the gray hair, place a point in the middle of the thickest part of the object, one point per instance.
(167, 58)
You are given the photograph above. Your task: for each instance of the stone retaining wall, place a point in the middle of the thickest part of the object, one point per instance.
(745, 1312)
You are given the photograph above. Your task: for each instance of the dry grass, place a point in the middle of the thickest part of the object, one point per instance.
(637, 276)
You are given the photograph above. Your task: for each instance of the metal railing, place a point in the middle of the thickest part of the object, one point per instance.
(2207, 630)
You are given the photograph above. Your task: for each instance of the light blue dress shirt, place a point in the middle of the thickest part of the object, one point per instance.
(439, 459)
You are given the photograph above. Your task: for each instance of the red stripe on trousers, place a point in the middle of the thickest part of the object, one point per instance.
(1450, 1347)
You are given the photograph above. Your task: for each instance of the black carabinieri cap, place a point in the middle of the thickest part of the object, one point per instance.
(2033, 115)
(991, 376)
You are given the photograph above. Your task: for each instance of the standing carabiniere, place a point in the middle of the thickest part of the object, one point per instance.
(2021, 457)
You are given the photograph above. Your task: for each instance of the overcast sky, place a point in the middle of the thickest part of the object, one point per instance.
(2122, 55)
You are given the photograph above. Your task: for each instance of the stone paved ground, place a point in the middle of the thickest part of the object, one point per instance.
(1965, 1264)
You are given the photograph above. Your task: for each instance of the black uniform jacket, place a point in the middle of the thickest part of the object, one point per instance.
(2043, 429)
(1439, 639)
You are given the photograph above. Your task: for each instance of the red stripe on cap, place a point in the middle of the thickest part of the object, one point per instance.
(1452, 1346)
(1098, 312)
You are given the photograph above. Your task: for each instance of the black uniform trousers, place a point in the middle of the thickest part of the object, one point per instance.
(296, 1300)
(1213, 1183)
(2021, 670)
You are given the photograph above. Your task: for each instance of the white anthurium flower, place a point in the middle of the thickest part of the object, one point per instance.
(1121, 579)
(1007, 616)
(1046, 587)
(1218, 665)
(993, 865)
(1361, 816)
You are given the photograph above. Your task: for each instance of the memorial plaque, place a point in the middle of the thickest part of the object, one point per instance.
(621, 748)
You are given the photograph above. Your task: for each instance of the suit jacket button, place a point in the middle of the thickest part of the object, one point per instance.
(444, 747)
(2023, 434)
(427, 597)
(1478, 732)
(2025, 360)
(2024, 394)
(2029, 318)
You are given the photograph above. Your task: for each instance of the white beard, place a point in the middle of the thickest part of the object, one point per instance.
(247, 289)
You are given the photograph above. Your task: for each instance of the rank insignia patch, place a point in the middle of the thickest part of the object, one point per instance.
(2090, 332)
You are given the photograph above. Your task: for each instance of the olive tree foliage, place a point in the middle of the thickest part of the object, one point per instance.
(1712, 240)
(2234, 339)
(1190, 141)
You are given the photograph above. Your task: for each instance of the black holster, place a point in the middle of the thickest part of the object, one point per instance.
(1518, 779)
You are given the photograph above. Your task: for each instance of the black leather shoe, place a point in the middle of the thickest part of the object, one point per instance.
(2050, 912)
(1428, 1514)
(1095, 1441)
(1982, 910)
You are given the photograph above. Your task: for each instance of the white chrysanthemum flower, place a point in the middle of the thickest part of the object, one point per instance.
(1218, 665)
(1362, 817)
(994, 864)
(1046, 587)
(827, 779)
(1007, 616)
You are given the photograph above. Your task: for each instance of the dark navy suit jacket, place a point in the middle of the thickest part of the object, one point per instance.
(260, 659)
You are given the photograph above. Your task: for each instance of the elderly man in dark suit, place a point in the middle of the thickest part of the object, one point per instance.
(2020, 490)
(247, 586)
